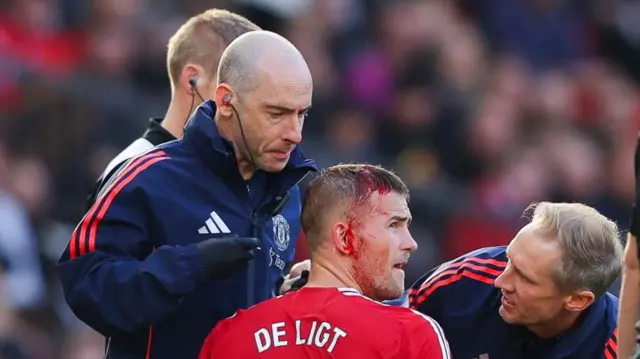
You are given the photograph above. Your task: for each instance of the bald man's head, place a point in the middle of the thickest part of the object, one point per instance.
(265, 83)
(259, 56)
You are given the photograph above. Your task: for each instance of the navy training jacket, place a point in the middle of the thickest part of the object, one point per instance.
(132, 271)
(460, 295)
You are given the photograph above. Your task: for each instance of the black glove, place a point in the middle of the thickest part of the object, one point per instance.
(295, 285)
(227, 255)
(300, 282)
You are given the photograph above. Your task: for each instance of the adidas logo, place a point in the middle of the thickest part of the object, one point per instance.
(214, 224)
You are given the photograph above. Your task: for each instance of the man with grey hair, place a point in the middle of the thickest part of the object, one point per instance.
(542, 296)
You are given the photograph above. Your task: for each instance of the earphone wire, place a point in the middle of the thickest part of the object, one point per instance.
(244, 137)
(193, 98)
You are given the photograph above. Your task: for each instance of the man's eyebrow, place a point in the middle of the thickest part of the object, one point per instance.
(287, 108)
(399, 218)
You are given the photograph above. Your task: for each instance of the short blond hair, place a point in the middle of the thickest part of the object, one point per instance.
(202, 39)
(590, 243)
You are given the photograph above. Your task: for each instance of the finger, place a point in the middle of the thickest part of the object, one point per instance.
(305, 274)
(300, 282)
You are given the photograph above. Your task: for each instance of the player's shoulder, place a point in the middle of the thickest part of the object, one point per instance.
(253, 314)
(414, 325)
(413, 321)
(266, 307)
(387, 313)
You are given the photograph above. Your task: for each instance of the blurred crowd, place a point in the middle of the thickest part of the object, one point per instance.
(482, 106)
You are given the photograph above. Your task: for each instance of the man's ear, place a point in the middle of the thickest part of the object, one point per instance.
(188, 74)
(341, 236)
(579, 301)
(223, 99)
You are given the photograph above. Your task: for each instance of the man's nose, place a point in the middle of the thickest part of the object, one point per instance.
(410, 244)
(293, 131)
(503, 282)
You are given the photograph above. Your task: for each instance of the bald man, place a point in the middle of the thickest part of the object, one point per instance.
(195, 229)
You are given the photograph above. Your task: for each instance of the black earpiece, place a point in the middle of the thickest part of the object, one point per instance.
(193, 82)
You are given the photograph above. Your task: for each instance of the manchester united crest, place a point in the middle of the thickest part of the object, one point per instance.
(281, 235)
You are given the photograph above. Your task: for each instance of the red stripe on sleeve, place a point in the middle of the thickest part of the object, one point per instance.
(79, 239)
(453, 272)
(611, 347)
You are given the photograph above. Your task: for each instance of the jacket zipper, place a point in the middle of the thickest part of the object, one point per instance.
(251, 273)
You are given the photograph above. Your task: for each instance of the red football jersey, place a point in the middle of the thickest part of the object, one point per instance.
(326, 323)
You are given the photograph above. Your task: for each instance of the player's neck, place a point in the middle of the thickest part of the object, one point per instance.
(178, 113)
(326, 273)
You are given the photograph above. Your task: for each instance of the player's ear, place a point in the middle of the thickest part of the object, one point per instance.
(341, 235)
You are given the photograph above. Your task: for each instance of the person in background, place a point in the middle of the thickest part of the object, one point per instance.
(193, 51)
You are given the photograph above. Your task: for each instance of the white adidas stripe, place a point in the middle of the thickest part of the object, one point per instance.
(213, 225)
(223, 227)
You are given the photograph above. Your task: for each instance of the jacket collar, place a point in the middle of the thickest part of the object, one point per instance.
(202, 133)
(567, 344)
(594, 318)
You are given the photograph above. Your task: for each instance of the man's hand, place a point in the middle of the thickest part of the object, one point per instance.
(297, 277)
(225, 256)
